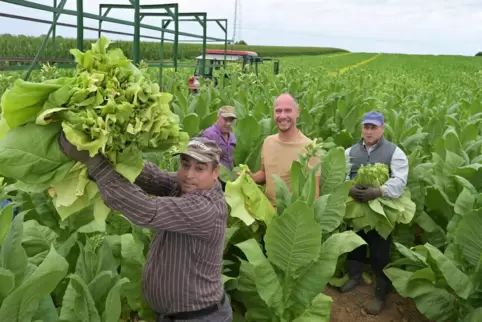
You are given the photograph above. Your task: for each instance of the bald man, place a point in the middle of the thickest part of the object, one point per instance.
(281, 149)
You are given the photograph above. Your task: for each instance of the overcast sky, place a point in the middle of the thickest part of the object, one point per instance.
(402, 26)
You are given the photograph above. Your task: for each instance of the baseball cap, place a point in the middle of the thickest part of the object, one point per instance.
(202, 149)
(374, 118)
(227, 111)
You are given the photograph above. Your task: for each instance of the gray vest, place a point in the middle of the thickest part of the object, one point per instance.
(382, 153)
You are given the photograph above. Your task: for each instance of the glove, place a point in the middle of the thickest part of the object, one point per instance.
(368, 194)
(71, 151)
(356, 191)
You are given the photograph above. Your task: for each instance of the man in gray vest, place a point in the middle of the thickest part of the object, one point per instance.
(374, 148)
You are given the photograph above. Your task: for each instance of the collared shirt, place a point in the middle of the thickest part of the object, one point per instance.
(184, 264)
(227, 146)
(394, 186)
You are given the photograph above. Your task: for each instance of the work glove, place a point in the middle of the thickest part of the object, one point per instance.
(71, 151)
(356, 192)
(368, 194)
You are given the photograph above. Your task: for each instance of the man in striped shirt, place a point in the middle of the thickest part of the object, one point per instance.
(182, 276)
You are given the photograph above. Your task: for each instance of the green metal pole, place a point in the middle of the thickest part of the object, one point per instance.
(225, 49)
(161, 59)
(176, 38)
(204, 45)
(80, 25)
(38, 6)
(44, 42)
(137, 32)
(54, 34)
(99, 33)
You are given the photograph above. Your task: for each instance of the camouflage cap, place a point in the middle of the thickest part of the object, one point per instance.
(203, 150)
(227, 111)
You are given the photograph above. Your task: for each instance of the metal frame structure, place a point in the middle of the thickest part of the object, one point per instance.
(203, 22)
(170, 10)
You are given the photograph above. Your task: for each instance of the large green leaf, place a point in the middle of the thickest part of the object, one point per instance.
(6, 216)
(313, 278)
(132, 265)
(25, 100)
(266, 279)
(37, 238)
(23, 302)
(455, 278)
(7, 280)
(46, 312)
(190, 124)
(247, 130)
(13, 256)
(468, 237)
(293, 239)
(257, 309)
(336, 245)
(113, 305)
(319, 310)
(31, 154)
(297, 179)
(436, 304)
(283, 194)
(333, 170)
(78, 304)
(99, 287)
(329, 209)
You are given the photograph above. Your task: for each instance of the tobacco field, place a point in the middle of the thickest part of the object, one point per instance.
(84, 262)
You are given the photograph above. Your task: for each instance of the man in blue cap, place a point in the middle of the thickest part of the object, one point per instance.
(374, 148)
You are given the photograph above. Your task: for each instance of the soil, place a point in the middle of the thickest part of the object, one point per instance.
(349, 307)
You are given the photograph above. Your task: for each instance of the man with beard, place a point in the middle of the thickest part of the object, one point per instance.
(281, 149)
(374, 148)
(220, 132)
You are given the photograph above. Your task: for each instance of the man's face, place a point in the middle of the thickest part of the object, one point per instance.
(195, 175)
(226, 123)
(371, 133)
(285, 115)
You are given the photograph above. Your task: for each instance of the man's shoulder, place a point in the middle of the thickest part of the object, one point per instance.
(215, 196)
(304, 138)
(210, 131)
(399, 152)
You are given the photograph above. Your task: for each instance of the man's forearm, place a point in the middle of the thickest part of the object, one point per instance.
(155, 181)
(259, 177)
(393, 188)
(191, 215)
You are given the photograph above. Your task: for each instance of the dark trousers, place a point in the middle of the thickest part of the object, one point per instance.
(379, 258)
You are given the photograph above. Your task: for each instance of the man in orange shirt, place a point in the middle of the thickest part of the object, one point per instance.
(281, 149)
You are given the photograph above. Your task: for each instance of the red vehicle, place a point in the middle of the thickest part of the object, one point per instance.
(215, 60)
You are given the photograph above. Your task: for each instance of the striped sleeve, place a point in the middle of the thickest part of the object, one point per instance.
(154, 181)
(192, 214)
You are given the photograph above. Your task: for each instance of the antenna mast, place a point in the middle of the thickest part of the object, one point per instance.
(237, 20)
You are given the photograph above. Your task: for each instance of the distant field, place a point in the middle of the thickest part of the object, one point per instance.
(25, 46)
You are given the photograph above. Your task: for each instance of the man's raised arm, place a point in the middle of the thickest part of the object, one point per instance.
(194, 214)
(155, 181)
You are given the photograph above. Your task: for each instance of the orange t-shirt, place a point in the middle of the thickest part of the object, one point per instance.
(277, 157)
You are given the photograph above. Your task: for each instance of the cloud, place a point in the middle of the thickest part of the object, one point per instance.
(408, 26)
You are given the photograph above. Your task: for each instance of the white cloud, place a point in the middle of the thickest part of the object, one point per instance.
(409, 26)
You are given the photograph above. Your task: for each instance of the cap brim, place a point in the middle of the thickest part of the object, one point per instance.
(197, 156)
(228, 115)
(374, 122)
